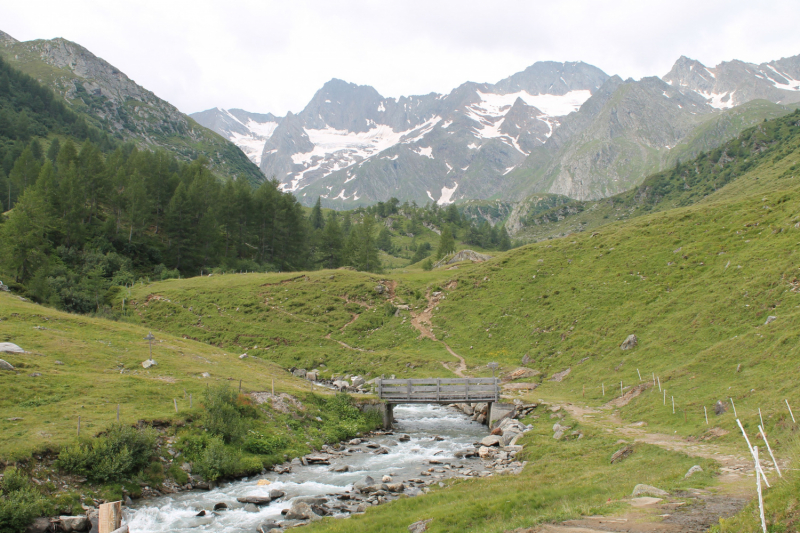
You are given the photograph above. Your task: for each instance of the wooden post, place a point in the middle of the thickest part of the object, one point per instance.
(673, 405)
(640, 374)
(438, 388)
(760, 417)
(584, 391)
(621, 390)
(659, 383)
(110, 517)
(174, 401)
(706, 413)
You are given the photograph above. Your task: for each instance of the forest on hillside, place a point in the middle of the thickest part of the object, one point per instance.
(86, 214)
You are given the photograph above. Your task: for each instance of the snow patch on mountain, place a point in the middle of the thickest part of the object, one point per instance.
(425, 152)
(553, 105)
(447, 195)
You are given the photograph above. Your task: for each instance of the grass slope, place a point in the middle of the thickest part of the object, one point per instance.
(102, 368)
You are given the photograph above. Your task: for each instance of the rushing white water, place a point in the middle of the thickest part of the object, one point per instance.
(176, 513)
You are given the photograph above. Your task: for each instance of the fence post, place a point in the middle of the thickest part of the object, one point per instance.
(438, 388)
(175, 402)
(758, 487)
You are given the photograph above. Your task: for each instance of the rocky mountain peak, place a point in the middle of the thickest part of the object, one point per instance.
(344, 106)
(6, 39)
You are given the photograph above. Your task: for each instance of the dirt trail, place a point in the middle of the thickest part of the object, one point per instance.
(355, 317)
(692, 511)
(422, 323)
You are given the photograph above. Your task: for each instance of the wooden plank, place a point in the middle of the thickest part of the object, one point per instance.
(110, 517)
(434, 388)
(446, 381)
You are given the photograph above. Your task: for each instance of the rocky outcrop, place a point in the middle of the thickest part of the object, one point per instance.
(629, 342)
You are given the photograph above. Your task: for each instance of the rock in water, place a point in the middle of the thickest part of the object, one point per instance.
(420, 527)
(366, 482)
(630, 342)
(267, 526)
(221, 506)
(648, 490)
(5, 365)
(10, 347)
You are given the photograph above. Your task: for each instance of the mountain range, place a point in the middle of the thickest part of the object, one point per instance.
(561, 128)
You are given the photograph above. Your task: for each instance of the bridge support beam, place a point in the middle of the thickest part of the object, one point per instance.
(384, 410)
(499, 411)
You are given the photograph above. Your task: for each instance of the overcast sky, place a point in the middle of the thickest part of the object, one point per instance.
(271, 56)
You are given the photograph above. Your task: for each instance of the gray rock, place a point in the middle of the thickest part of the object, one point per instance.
(255, 500)
(75, 523)
(269, 525)
(693, 470)
(341, 385)
(559, 376)
(299, 372)
(312, 376)
(366, 482)
(770, 319)
(340, 468)
(251, 508)
(221, 506)
(404, 438)
(420, 527)
(276, 494)
(205, 375)
(648, 490)
(629, 342)
(10, 347)
(5, 365)
(301, 511)
(621, 454)
(491, 440)
(526, 359)
(149, 363)
(380, 289)
(720, 407)
(357, 381)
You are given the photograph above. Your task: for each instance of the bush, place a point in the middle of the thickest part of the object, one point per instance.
(218, 460)
(20, 502)
(427, 265)
(122, 451)
(223, 415)
(178, 474)
(264, 445)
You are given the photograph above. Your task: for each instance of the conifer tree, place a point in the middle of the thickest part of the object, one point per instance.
(447, 243)
(315, 219)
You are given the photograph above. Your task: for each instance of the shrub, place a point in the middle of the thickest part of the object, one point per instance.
(20, 502)
(218, 460)
(122, 451)
(178, 474)
(427, 265)
(222, 415)
(263, 444)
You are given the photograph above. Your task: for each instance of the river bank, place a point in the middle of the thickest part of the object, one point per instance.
(428, 445)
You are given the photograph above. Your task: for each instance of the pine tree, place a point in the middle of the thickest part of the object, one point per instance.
(365, 254)
(315, 219)
(24, 245)
(332, 243)
(505, 240)
(384, 241)
(447, 243)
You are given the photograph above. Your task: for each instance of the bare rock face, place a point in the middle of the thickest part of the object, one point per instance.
(693, 470)
(74, 523)
(629, 342)
(559, 376)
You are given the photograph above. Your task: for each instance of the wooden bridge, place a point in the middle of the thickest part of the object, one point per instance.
(439, 390)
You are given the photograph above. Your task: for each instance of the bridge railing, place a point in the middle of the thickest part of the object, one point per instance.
(441, 390)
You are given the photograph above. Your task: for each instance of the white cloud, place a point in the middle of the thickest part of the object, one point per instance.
(271, 56)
